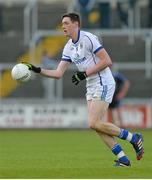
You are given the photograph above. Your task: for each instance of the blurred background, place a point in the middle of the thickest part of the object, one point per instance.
(30, 30)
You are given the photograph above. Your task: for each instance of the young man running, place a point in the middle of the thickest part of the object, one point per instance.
(93, 62)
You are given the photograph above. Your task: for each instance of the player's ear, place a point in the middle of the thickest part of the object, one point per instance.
(76, 23)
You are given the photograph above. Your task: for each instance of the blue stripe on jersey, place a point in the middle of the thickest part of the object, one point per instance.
(98, 72)
(104, 92)
(77, 38)
(90, 41)
(94, 60)
(64, 59)
(98, 49)
(67, 56)
(100, 78)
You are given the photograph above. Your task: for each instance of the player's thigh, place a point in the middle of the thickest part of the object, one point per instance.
(96, 110)
(89, 105)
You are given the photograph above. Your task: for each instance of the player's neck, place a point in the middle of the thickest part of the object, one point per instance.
(75, 36)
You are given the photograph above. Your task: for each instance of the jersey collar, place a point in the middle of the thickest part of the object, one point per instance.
(77, 38)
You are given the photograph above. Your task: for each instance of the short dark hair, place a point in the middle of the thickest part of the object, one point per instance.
(73, 16)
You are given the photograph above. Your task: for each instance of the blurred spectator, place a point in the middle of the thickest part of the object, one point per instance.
(47, 61)
(48, 83)
(104, 9)
(122, 87)
(150, 14)
(1, 18)
(123, 11)
(94, 18)
(85, 7)
(123, 15)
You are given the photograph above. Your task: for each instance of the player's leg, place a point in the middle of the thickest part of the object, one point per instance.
(110, 141)
(115, 109)
(136, 139)
(115, 114)
(119, 121)
(96, 112)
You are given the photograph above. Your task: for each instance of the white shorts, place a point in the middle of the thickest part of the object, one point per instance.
(103, 93)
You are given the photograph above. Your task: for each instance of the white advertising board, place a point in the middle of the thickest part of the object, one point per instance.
(43, 116)
(68, 115)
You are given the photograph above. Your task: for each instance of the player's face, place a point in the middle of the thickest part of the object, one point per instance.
(68, 26)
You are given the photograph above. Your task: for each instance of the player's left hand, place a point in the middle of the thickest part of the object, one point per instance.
(78, 76)
(32, 67)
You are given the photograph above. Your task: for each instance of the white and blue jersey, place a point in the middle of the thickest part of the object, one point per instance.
(82, 53)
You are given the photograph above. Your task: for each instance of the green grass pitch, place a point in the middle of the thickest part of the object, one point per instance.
(67, 154)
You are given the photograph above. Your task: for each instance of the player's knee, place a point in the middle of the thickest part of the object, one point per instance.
(98, 125)
(93, 124)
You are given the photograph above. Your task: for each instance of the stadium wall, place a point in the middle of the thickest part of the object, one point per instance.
(68, 115)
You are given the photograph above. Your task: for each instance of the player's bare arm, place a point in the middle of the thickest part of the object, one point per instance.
(58, 73)
(105, 61)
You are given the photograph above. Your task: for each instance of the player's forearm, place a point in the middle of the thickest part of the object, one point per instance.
(57, 73)
(51, 73)
(102, 64)
(104, 61)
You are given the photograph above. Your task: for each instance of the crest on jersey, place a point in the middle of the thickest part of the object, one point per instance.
(71, 48)
(81, 45)
(77, 55)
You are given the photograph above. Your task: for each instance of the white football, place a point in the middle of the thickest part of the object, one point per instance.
(21, 72)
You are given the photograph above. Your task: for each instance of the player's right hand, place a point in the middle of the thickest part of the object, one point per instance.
(78, 76)
(32, 67)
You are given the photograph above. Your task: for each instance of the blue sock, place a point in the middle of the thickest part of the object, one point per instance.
(117, 150)
(126, 135)
(134, 139)
(123, 134)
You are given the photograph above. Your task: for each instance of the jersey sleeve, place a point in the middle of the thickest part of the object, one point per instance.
(93, 43)
(66, 54)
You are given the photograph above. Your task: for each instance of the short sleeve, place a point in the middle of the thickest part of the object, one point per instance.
(66, 54)
(92, 42)
(119, 76)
